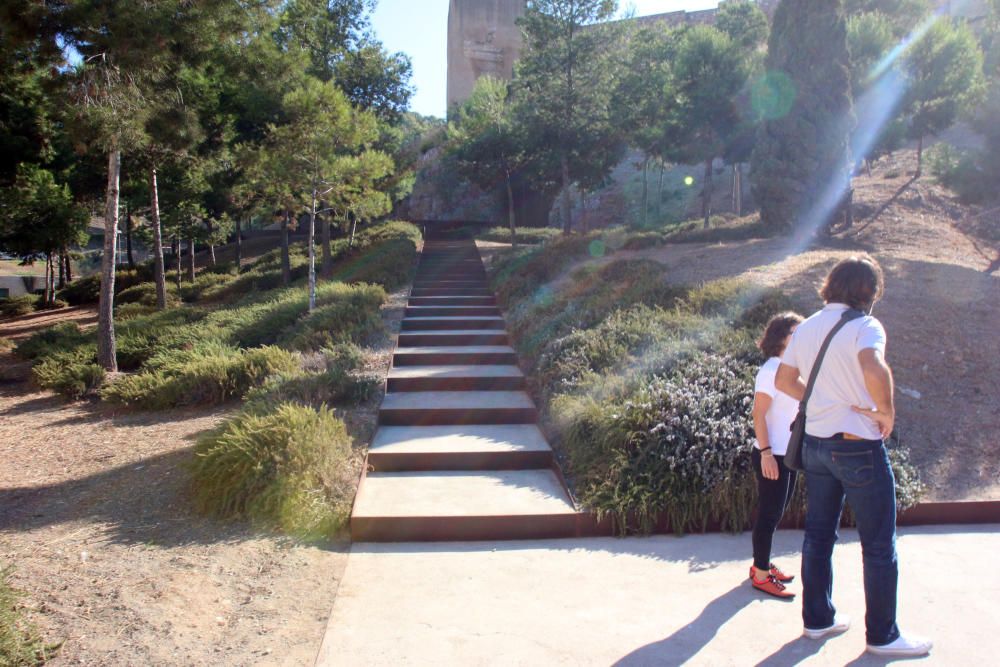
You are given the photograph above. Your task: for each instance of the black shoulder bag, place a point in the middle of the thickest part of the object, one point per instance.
(793, 455)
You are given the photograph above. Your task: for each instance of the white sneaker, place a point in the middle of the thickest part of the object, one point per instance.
(841, 622)
(903, 646)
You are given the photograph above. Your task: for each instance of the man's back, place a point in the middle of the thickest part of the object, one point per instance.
(840, 384)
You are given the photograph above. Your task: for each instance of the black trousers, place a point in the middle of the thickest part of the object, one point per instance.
(773, 496)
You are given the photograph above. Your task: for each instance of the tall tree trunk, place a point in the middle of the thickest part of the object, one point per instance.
(47, 299)
(239, 245)
(62, 268)
(159, 272)
(659, 193)
(510, 213)
(920, 157)
(327, 252)
(69, 267)
(584, 220)
(177, 259)
(128, 236)
(737, 189)
(706, 193)
(645, 190)
(211, 242)
(312, 250)
(567, 220)
(354, 228)
(286, 265)
(190, 269)
(106, 352)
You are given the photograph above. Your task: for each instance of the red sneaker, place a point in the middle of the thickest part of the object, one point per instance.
(771, 586)
(781, 576)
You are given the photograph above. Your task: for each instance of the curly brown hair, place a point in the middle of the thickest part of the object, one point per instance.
(856, 281)
(772, 343)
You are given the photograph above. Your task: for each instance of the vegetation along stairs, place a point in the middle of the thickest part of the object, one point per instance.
(458, 454)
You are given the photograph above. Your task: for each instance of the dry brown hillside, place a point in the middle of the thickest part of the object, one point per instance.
(941, 310)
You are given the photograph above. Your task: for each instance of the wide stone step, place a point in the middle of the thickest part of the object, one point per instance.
(446, 505)
(451, 311)
(431, 284)
(450, 291)
(455, 378)
(428, 323)
(452, 301)
(471, 447)
(426, 408)
(458, 355)
(437, 337)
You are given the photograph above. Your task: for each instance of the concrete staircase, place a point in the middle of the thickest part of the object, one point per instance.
(458, 454)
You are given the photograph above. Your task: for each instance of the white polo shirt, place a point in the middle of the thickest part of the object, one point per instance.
(840, 383)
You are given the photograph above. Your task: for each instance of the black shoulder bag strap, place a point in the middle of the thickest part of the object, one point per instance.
(793, 456)
(849, 314)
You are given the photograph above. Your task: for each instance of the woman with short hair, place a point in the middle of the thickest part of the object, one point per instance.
(773, 413)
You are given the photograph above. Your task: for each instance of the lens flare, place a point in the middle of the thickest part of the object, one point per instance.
(772, 95)
(689, 181)
(596, 248)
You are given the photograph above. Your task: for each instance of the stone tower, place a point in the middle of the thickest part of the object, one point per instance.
(482, 39)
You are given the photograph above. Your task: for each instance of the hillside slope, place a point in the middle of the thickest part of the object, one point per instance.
(941, 311)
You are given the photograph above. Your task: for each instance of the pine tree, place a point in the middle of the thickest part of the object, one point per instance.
(563, 87)
(800, 166)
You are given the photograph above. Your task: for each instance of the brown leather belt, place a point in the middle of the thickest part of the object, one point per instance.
(846, 436)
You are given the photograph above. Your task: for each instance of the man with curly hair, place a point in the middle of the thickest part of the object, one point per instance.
(848, 416)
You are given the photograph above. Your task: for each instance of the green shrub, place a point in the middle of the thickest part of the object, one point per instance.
(20, 641)
(677, 445)
(338, 383)
(87, 290)
(344, 313)
(331, 387)
(207, 374)
(222, 269)
(59, 338)
(55, 304)
(720, 229)
(204, 283)
(129, 311)
(527, 235)
(521, 273)
(145, 294)
(142, 336)
(959, 170)
(17, 306)
(291, 469)
(71, 374)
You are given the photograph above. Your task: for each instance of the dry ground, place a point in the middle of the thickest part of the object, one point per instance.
(941, 310)
(95, 518)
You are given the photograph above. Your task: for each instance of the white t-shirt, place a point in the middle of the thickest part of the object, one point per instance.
(781, 414)
(840, 383)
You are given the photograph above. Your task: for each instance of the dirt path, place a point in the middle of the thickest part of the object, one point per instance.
(116, 565)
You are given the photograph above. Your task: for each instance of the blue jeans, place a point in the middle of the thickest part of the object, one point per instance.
(859, 470)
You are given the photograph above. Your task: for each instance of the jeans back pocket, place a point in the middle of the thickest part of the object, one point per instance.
(854, 469)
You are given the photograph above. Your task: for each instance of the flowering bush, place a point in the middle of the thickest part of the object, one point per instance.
(677, 445)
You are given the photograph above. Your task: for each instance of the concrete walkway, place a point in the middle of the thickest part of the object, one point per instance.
(647, 601)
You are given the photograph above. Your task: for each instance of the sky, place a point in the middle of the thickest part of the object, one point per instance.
(419, 28)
